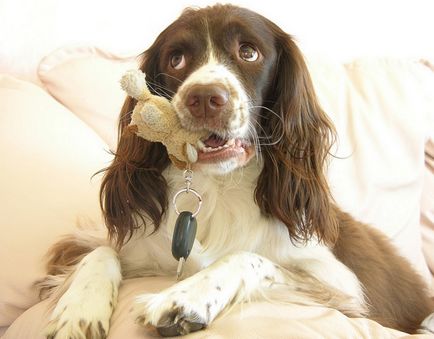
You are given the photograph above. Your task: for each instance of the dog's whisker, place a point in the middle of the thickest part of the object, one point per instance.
(168, 75)
(125, 116)
(159, 85)
(252, 131)
(265, 137)
(268, 110)
(260, 127)
(163, 91)
(262, 140)
(272, 137)
(160, 91)
(254, 136)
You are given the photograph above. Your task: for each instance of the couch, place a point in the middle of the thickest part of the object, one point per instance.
(58, 130)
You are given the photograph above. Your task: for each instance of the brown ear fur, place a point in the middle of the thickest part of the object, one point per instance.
(133, 192)
(292, 186)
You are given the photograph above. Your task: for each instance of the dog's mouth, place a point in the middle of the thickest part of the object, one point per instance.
(216, 148)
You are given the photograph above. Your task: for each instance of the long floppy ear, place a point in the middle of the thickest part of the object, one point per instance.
(292, 186)
(133, 193)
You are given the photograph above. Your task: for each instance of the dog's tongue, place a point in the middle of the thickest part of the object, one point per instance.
(214, 141)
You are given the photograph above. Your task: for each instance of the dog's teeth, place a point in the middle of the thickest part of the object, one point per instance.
(230, 142)
(207, 149)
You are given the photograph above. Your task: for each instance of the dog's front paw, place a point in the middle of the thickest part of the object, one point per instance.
(195, 302)
(85, 314)
(173, 313)
(84, 310)
(74, 323)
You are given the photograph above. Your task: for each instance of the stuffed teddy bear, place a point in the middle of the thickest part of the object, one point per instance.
(155, 119)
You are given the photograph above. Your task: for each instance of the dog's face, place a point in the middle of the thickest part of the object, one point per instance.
(218, 65)
(237, 75)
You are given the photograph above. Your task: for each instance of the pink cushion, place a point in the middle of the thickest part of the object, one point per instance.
(246, 321)
(48, 158)
(383, 111)
(86, 81)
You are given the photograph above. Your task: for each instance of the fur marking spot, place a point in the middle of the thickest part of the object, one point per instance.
(101, 330)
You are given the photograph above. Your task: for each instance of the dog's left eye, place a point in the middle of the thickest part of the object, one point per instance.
(248, 53)
(177, 61)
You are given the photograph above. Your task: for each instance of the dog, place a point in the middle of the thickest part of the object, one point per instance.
(268, 226)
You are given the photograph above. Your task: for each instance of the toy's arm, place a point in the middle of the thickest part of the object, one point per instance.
(134, 83)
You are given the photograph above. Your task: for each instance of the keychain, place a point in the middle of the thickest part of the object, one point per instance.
(185, 226)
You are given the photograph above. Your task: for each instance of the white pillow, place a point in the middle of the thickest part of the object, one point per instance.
(381, 109)
(245, 321)
(86, 80)
(48, 158)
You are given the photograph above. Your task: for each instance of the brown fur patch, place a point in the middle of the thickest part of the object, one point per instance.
(397, 295)
(62, 259)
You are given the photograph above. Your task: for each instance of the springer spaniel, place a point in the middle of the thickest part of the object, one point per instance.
(268, 227)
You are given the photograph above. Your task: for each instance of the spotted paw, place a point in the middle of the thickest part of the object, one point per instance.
(179, 322)
(67, 326)
(170, 317)
(84, 310)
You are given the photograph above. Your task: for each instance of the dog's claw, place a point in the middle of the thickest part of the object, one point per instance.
(182, 327)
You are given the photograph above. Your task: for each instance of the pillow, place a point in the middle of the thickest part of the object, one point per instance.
(253, 320)
(86, 81)
(378, 106)
(381, 109)
(48, 158)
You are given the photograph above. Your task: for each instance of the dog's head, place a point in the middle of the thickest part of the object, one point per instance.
(236, 74)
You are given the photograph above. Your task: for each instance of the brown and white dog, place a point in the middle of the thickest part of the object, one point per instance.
(268, 225)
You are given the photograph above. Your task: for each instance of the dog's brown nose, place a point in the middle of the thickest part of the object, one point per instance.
(206, 101)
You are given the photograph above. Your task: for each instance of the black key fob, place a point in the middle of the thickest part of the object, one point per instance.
(184, 235)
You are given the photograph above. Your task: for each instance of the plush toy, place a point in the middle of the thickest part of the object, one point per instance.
(155, 119)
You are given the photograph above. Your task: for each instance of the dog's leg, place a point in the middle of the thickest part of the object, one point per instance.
(84, 310)
(193, 303)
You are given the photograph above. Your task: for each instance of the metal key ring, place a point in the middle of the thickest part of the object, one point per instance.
(187, 190)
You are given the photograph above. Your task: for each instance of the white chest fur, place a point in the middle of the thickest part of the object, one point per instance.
(230, 221)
